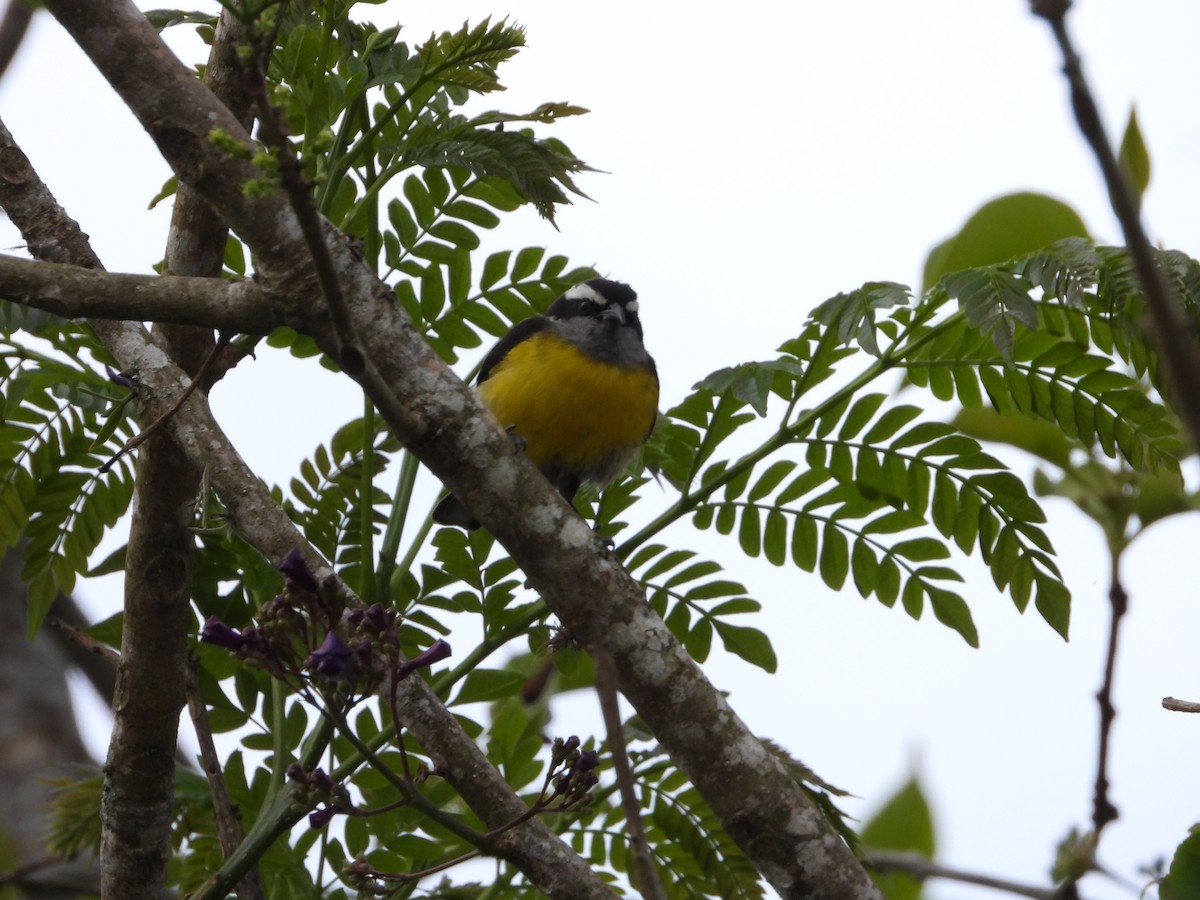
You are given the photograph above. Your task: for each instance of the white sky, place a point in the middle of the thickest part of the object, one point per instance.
(761, 158)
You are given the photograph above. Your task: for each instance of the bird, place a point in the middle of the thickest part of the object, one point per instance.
(575, 387)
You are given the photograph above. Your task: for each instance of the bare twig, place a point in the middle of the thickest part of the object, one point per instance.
(229, 826)
(86, 641)
(1171, 336)
(1103, 810)
(1187, 706)
(644, 875)
(922, 868)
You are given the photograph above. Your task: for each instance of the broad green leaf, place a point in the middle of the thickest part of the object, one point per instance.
(1183, 877)
(1003, 229)
(903, 824)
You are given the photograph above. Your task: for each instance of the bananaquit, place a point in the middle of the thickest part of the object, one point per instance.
(575, 387)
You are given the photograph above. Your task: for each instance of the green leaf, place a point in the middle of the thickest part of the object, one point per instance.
(860, 413)
(835, 556)
(950, 609)
(805, 543)
(1003, 229)
(490, 685)
(1183, 877)
(1054, 603)
(853, 314)
(1134, 159)
(994, 302)
(749, 643)
(903, 824)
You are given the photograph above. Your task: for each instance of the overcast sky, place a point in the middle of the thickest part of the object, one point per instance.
(760, 158)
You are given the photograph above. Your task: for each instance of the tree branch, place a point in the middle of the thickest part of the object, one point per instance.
(136, 807)
(441, 421)
(75, 293)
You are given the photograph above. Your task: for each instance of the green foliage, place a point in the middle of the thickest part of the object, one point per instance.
(1004, 229)
(1183, 878)
(904, 823)
(833, 458)
(694, 855)
(62, 420)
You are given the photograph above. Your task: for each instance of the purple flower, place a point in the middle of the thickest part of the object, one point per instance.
(436, 652)
(586, 761)
(217, 632)
(333, 658)
(119, 378)
(297, 572)
(320, 818)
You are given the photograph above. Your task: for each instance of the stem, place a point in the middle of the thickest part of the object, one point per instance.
(278, 739)
(414, 548)
(394, 531)
(406, 788)
(366, 507)
(921, 869)
(781, 438)
(1103, 810)
(445, 680)
(644, 875)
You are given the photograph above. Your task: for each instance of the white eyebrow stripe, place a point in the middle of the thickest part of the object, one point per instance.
(631, 306)
(586, 292)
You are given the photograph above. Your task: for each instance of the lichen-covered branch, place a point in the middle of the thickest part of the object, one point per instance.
(75, 293)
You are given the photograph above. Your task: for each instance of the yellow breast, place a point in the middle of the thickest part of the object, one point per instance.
(575, 413)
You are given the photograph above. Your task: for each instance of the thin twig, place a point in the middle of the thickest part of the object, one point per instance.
(406, 788)
(921, 869)
(229, 827)
(86, 641)
(1171, 335)
(1187, 706)
(645, 875)
(1103, 810)
(299, 192)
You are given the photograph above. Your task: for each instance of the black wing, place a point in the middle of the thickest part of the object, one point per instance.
(521, 331)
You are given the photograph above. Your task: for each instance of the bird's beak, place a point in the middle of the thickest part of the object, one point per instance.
(614, 311)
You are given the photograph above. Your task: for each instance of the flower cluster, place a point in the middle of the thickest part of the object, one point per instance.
(573, 771)
(317, 787)
(306, 636)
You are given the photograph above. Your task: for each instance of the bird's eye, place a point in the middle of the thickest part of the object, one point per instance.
(587, 307)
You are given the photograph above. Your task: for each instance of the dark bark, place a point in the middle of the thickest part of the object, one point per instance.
(39, 742)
